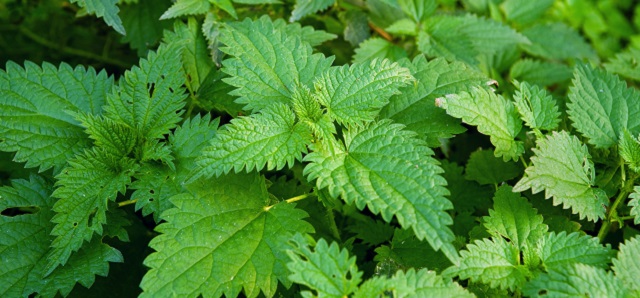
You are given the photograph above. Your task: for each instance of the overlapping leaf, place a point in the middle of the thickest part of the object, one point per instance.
(106, 9)
(566, 44)
(602, 106)
(149, 98)
(562, 167)
(391, 172)
(561, 250)
(355, 94)
(34, 107)
(537, 108)
(91, 180)
(327, 269)
(575, 280)
(421, 283)
(626, 64)
(629, 150)
(267, 63)
(414, 106)
(523, 11)
(144, 30)
(494, 115)
(513, 218)
(378, 48)
(626, 265)
(539, 72)
(221, 238)
(270, 138)
(307, 7)
(484, 168)
(25, 242)
(634, 203)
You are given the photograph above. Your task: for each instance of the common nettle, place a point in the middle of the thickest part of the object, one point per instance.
(469, 149)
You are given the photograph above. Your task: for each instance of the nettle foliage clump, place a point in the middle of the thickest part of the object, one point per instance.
(380, 148)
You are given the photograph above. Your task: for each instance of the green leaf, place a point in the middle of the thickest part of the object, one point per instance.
(626, 265)
(114, 137)
(493, 114)
(562, 167)
(418, 10)
(634, 203)
(539, 72)
(26, 241)
(355, 94)
(270, 137)
(407, 251)
(404, 26)
(421, 283)
(326, 269)
(187, 7)
(560, 250)
(414, 106)
(155, 184)
(466, 196)
(356, 29)
(106, 9)
(537, 108)
(484, 168)
(565, 44)
(513, 218)
(378, 48)
(306, 7)
(575, 280)
(307, 33)
(626, 64)
(629, 150)
(370, 231)
(267, 63)
(91, 180)
(524, 12)
(141, 20)
(214, 94)
(35, 106)
(391, 172)
(150, 98)
(602, 107)
(494, 262)
(196, 60)
(463, 38)
(221, 238)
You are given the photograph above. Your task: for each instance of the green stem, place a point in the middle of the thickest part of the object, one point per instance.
(125, 203)
(332, 224)
(291, 200)
(612, 213)
(72, 51)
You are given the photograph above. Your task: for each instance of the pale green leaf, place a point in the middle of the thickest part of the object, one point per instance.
(562, 167)
(575, 280)
(418, 10)
(391, 172)
(25, 242)
(602, 106)
(465, 37)
(537, 108)
(326, 269)
(105, 9)
(34, 107)
(307, 7)
(355, 94)
(627, 266)
(492, 114)
(412, 284)
(267, 63)
(155, 184)
(150, 98)
(186, 7)
(141, 20)
(494, 262)
(629, 150)
(269, 138)
(484, 168)
(378, 48)
(524, 12)
(222, 238)
(384, 12)
(91, 180)
(560, 250)
(414, 106)
(404, 26)
(356, 29)
(626, 64)
(539, 72)
(307, 33)
(565, 44)
(196, 60)
(634, 203)
(513, 218)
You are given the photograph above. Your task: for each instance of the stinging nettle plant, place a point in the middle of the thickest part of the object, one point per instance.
(261, 164)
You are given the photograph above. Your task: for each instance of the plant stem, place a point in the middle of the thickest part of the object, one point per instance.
(291, 200)
(612, 212)
(73, 51)
(125, 203)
